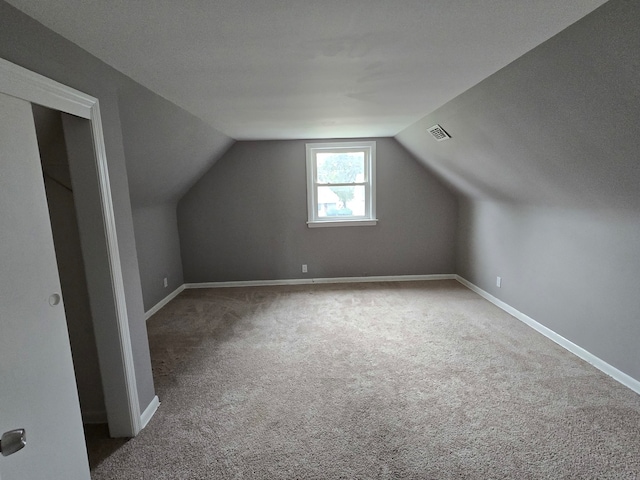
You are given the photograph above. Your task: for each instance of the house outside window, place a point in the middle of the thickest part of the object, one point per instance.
(341, 184)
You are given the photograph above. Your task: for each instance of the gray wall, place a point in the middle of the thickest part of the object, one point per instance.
(156, 228)
(546, 152)
(573, 270)
(167, 150)
(246, 220)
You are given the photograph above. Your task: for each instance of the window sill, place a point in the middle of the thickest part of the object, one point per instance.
(343, 223)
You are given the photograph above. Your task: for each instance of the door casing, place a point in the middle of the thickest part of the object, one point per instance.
(123, 410)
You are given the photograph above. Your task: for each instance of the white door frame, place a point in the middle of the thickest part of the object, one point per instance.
(34, 88)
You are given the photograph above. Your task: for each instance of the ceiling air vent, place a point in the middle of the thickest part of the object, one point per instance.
(438, 133)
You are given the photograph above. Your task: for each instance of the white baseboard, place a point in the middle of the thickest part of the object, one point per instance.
(310, 281)
(94, 417)
(149, 411)
(597, 362)
(163, 302)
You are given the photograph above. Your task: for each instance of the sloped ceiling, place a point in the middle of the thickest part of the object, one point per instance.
(557, 127)
(295, 69)
(167, 149)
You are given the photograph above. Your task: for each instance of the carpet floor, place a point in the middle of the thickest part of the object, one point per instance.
(415, 380)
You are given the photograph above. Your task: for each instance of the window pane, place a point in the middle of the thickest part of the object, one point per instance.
(345, 167)
(341, 201)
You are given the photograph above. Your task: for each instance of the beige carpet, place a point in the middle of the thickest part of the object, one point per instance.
(420, 380)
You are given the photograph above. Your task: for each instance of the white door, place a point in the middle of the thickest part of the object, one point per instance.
(37, 383)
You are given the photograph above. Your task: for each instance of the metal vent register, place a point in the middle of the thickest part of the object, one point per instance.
(438, 133)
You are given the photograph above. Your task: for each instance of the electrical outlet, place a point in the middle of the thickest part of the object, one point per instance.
(499, 282)
(165, 282)
(304, 268)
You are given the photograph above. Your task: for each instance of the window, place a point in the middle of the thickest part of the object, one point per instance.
(341, 184)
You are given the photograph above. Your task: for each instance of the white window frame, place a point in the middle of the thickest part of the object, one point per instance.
(369, 183)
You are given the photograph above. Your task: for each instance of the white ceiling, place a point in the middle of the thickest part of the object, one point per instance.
(267, 69)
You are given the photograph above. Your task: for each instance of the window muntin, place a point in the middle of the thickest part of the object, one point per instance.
(341, 183)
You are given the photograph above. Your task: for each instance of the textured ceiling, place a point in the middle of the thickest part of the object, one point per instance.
(308, 69)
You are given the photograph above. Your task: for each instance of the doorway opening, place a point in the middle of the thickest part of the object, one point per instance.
(71, 267)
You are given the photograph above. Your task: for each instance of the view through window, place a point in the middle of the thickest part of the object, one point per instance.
(340, 183)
